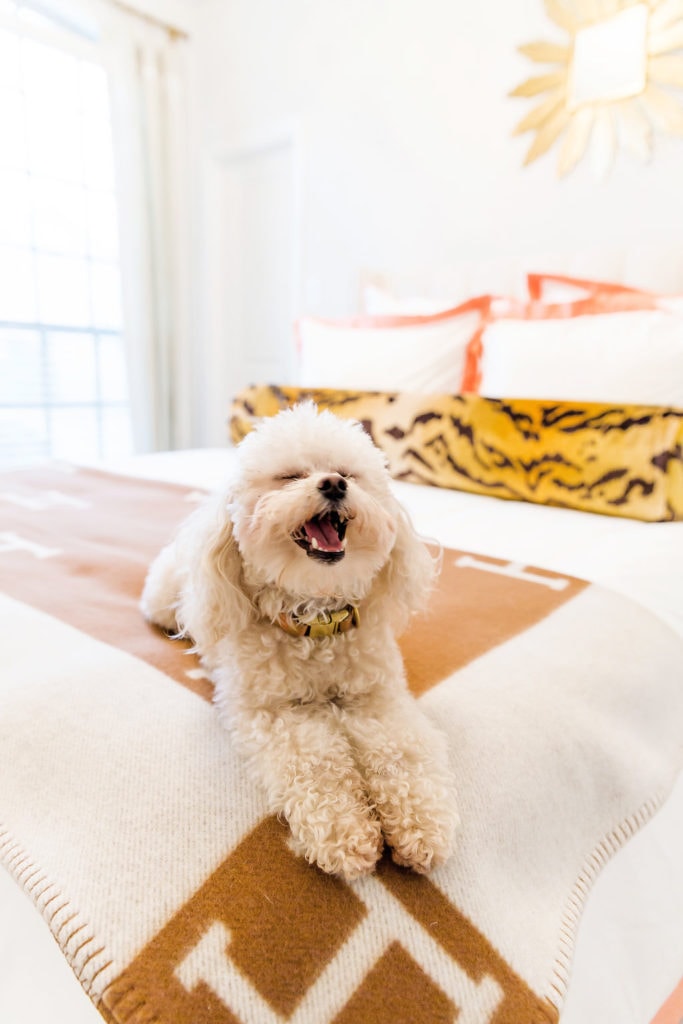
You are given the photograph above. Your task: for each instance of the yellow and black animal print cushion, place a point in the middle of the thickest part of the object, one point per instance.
(620, 460)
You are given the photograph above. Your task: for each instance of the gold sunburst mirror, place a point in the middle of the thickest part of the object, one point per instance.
(609, 84)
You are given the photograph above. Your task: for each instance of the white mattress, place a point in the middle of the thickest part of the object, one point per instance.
(629, 953)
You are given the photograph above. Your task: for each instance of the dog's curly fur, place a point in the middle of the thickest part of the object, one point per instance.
(344, 752)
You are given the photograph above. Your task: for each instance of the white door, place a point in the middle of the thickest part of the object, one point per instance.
(250, 275)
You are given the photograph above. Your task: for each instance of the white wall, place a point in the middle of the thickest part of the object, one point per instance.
(400, 123)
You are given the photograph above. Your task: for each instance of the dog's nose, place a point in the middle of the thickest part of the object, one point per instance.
(333, 487)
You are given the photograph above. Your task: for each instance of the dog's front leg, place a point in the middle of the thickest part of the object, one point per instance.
(306, 764)
(404, 761)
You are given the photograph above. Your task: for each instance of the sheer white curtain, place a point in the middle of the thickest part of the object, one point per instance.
(148, 74)
(148, 69)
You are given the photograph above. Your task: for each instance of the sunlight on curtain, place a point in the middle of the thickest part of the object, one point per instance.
(148, 76)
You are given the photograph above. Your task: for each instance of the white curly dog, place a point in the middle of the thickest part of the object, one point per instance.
(293, 587)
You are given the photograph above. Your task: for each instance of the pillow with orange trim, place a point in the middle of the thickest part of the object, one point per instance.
(632, 356)
(597, 366)
(600, 303)
(396, 353)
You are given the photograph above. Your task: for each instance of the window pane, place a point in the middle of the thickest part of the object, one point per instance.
(9, 59)
(103, 225)
(12, 129)
(59, 212)
(117, 439)
(74, 434)
(63, 382)
(17, 289)
(106, 295)
(21, 367)
(63, 290)
(72, 372)
(54, 140)
(15, 210)
(23, 436)
(50, 80)
(113, 377)
(49, 74)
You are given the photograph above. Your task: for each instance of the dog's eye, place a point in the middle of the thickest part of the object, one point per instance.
(291, 476)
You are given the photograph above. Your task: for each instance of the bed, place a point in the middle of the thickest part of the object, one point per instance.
(147, 892)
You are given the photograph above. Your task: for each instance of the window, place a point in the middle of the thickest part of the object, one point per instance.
(63, 381)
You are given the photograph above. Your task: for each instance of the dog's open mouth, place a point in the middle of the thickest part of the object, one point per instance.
(322, 537)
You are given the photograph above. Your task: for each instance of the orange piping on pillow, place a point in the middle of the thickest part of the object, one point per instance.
(471, 377)
(481, 303)
(605, 302)
(535, 282)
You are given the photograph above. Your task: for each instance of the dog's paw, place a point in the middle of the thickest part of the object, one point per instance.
(357, 855)
(422, 850)
(415, 801)
(420, 827)
(163, 617)
(347, 849)
(161, 591)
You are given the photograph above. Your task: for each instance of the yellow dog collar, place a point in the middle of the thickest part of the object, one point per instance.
(325, 624)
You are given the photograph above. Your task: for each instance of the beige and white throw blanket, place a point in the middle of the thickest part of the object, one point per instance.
(129, 820)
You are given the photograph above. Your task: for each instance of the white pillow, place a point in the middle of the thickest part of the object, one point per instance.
(634, 357)
(379, 301)
(425, 354)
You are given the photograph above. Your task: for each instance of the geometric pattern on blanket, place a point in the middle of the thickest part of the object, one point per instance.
(172, 893)
(618, 460)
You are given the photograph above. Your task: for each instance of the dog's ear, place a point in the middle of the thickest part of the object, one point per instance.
(405, 582)
(213, 604)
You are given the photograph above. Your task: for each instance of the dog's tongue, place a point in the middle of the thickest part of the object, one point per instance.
(324, 532)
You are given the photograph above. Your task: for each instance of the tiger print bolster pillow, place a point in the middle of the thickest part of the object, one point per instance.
(617, 460)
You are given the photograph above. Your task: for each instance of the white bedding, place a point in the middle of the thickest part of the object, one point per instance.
(633, 917)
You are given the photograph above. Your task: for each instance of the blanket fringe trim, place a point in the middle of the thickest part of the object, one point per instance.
(85, 955)
(596, 860)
